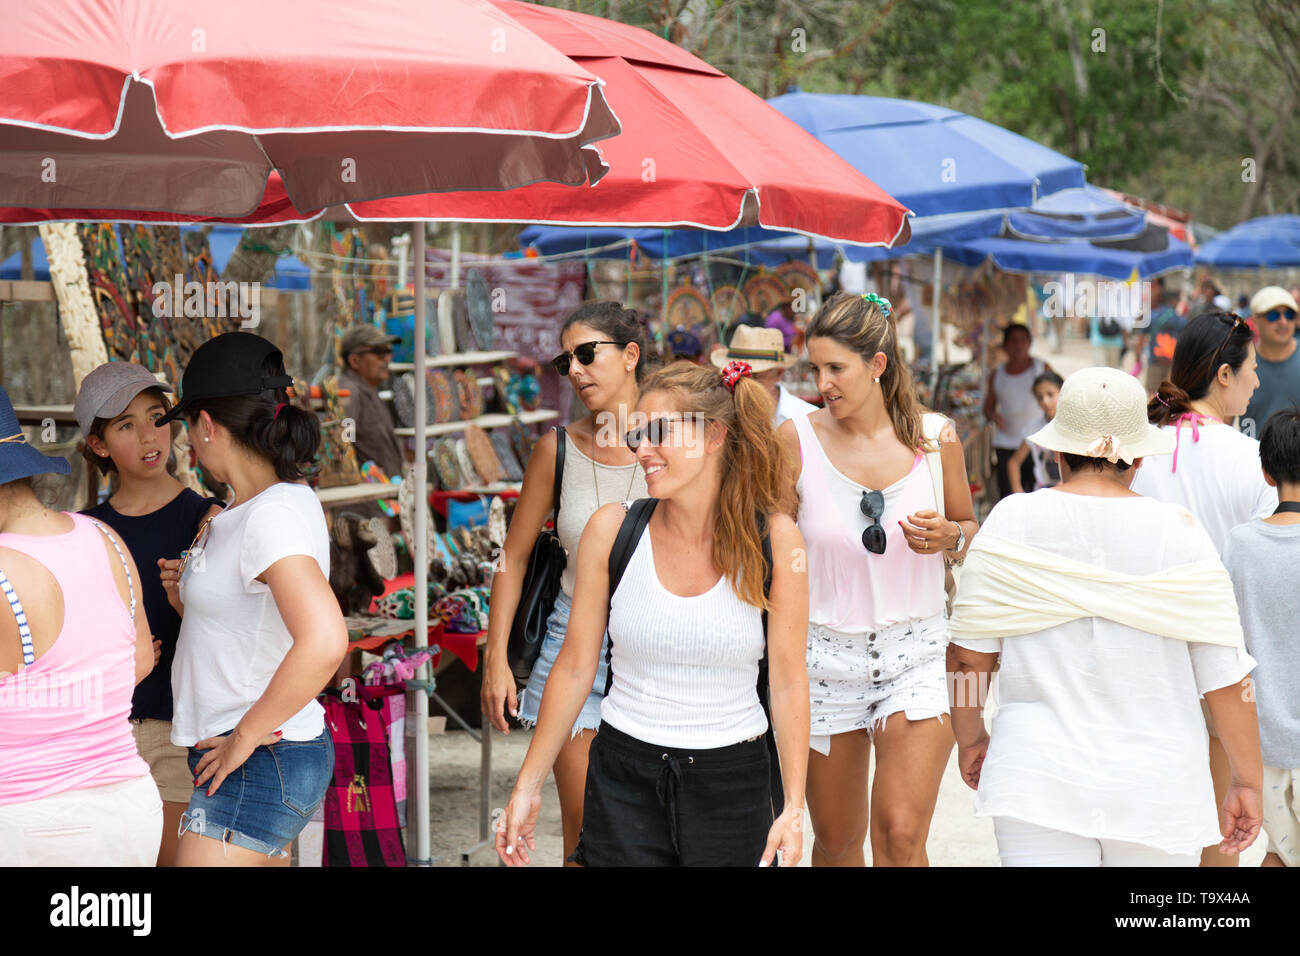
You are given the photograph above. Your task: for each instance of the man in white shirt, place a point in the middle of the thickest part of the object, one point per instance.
(764, 350)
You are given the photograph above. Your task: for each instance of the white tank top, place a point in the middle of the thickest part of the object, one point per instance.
(1016, 404)
(685, 668)
(585, 486)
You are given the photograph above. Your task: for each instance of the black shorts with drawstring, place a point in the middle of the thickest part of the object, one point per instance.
(648, 805)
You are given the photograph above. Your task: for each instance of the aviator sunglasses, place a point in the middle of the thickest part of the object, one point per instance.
(584, 353)
(873, 506)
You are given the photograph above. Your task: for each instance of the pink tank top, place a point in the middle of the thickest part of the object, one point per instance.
(64, 719)
(849, 588)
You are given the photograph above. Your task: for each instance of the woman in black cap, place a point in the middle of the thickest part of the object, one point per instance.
(73, 645)
(262, 632)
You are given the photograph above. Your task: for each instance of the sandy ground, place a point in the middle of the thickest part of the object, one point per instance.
(957, 837)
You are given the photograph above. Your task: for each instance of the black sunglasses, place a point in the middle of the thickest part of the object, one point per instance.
(584, 353)
(1232, 324)
(654, 432)
(873, 506)
(1274, 314)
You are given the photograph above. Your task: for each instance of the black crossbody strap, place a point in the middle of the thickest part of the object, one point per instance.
(625, 542)
(559, 474)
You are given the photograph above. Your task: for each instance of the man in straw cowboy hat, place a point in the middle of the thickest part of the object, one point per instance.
(764, 350)
(1112, 616)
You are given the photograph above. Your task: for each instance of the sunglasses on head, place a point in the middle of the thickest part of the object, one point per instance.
(1282, 313)
(1231, 322)
(873, 506)
(654, 432)
(584, 353)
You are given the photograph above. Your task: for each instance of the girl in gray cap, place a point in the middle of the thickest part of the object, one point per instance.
(156, 517)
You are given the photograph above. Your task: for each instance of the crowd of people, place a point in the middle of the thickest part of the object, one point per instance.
(759, 597)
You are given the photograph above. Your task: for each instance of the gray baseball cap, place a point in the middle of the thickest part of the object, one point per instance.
(109, 389)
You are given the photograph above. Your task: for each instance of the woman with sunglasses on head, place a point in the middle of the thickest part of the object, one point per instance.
(261, 631)
(876, 564)
(680, 773)
(1215, 470)
(605, 359)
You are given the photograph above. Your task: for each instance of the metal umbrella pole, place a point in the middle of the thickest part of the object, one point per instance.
(419, 521)
(936, 328)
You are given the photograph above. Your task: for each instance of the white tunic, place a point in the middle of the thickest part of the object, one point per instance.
(1098, 730)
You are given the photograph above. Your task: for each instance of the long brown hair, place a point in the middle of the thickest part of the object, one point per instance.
(861, 326)
(756, 468)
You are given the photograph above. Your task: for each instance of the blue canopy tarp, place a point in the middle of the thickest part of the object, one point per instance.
(291, 273)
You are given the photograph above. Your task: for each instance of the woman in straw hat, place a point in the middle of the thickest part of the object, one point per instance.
(880, 505)
(764, 351)
(1110, 614)
(73, 645)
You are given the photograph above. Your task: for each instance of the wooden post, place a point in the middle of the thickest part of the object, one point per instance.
(77, 312)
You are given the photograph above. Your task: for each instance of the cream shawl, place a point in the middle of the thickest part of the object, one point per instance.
(1008, 589)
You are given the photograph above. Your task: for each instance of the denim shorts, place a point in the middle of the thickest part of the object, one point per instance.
(530, 701)
(264, 804)
(858, 681)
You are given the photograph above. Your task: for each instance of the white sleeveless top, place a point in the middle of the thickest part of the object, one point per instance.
(584, 487)
(1016, 404)
(685, 668)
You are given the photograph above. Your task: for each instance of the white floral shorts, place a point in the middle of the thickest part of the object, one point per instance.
(856, 681)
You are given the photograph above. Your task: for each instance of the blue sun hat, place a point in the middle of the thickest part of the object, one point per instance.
(17, 458)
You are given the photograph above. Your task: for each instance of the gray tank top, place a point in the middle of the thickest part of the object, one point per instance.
(586, 486)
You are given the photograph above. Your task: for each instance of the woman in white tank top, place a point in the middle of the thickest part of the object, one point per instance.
(604, 360)
(1009, 403)
(876, 543)
(679, 774)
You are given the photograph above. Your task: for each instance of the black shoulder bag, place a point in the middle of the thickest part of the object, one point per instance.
(541, 584)
(629, 534)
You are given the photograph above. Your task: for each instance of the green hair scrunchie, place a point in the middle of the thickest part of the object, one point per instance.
(883, 303)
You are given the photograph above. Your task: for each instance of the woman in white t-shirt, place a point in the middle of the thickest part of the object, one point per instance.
(1111, 615)
(262, 632)
(1215, 471)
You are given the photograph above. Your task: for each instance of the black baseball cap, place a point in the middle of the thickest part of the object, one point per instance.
(225, 366)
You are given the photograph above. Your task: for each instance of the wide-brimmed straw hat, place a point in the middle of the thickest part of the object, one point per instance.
(18, 459)
(763, 349)
(1102, 413)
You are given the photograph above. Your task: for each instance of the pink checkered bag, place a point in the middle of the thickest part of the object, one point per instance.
(361, 824)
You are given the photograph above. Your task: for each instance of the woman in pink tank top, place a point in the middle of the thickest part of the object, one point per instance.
(73, 788)
(877, 634)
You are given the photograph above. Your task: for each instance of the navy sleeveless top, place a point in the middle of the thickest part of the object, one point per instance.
(164, 533)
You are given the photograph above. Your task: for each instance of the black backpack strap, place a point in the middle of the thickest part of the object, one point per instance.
(764, 688)
(625, 542)
(559, 475)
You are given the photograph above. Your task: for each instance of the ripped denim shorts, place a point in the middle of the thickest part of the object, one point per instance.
(265, 804)
(530, 701)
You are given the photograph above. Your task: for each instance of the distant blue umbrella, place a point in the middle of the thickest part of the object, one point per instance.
(932, 159)
(759, 246)
(1269, 242)
(291, 273)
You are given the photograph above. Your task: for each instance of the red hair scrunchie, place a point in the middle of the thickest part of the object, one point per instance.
(733, 373)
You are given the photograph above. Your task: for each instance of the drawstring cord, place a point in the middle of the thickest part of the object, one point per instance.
(670, 782)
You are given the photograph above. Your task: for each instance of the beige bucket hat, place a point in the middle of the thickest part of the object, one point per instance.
(1102, 413)
(763, 349)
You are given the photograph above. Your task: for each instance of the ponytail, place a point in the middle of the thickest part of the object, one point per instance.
(757, 470)
(1207, 343)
